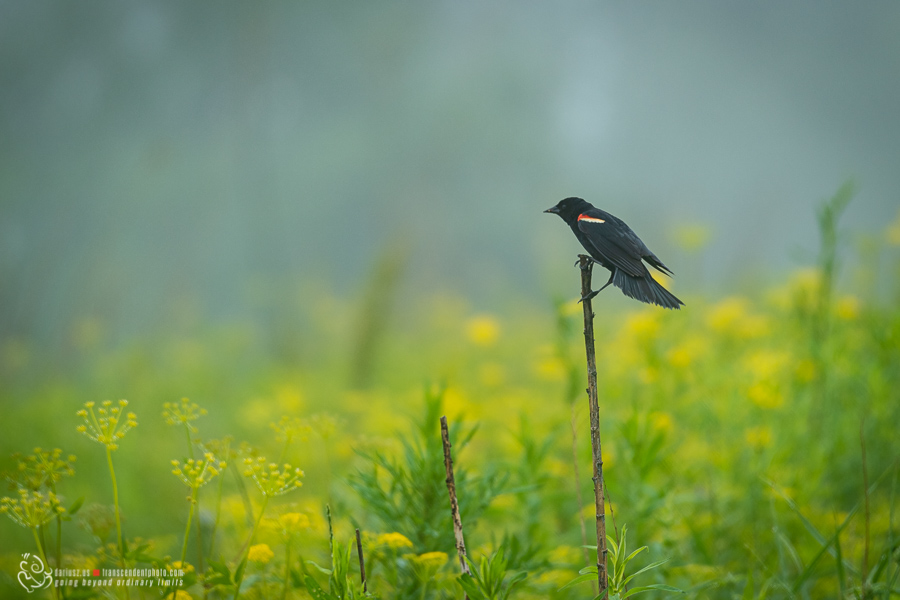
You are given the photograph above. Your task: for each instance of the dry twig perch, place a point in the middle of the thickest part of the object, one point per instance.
(454, 505)
(586, 264)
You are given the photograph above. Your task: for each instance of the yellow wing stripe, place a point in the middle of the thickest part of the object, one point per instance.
(590, 219)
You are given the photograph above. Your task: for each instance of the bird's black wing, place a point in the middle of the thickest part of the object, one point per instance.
(614, 241)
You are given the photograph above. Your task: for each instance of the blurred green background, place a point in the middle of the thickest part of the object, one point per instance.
(329, 211)
(162, 158)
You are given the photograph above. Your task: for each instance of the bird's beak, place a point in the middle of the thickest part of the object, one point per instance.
(552, 210)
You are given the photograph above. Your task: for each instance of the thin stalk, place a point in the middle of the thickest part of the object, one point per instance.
(586, 264)
(265, 583)
(287, 568)
(190, 444)
(362, 563)
(58, 541)
(454, 504)
(246, 548)
(187, 529)
(115, 486)
(196, 503)
(212, 535)
(41, 548)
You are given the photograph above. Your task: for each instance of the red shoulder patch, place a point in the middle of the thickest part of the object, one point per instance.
(588, 219)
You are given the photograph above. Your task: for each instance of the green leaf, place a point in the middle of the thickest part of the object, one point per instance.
(635, 553)
(647, 588)
(467, 583)
(315, 591)
(218, 573)
(319, 567)
(579, 579)
(647, 568)
(76, 506)
(239, 572)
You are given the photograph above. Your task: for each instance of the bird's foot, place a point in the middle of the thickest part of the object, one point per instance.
(590, 260)
(590, 296)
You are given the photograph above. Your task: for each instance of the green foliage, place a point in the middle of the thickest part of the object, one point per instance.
(490, 580)
(618, 574)
(342, 585)
(409, 494)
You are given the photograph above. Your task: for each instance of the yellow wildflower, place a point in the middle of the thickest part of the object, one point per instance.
(271, 479)
(847, 308)
(177, 565)
(108, 424)
(483, 330)
(182, 595)
(293, 521)
(182, 412)
(394, 541)
(426, 565)
(260, 553)
(431, 561)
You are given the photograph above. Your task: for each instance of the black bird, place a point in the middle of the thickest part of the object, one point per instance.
(613, 245)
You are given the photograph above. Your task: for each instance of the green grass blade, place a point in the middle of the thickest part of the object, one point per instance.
(808, 571)
(647, 568)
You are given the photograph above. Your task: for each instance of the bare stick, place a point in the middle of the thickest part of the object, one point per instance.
(362, 564)
(454, 505)
(586, 264)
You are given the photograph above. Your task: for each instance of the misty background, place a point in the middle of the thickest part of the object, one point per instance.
(168, 154)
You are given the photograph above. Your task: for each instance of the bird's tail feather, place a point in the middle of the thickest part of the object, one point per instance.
(646, 289)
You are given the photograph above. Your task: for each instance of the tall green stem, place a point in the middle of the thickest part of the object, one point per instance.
(112, 475)
(40, 546)
(115, 486)
(212, 535)
(246, 549)
(190, 444)
(187, 530)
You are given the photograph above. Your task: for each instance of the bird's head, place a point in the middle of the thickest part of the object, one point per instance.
(569, 209)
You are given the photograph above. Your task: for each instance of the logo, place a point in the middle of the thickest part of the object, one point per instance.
(34, 576)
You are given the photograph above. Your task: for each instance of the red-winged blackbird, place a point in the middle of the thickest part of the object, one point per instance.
(613, 245)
